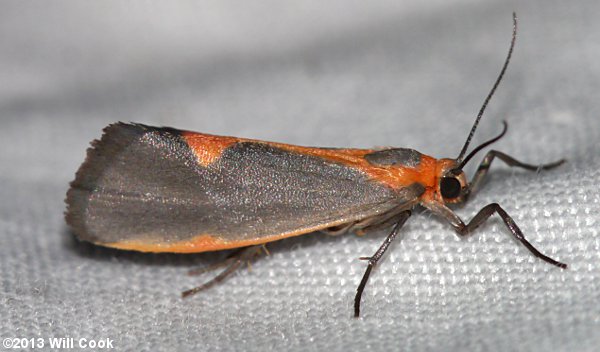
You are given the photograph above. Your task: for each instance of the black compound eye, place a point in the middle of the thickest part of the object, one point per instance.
(450, 187)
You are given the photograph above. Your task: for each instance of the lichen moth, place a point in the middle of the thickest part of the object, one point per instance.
(154, 189)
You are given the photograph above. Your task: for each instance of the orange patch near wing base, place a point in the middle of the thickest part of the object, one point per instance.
(392, 176)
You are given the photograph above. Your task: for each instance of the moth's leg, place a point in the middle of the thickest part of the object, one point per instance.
(362, 226)
(377, 223)
(384, 223)
(232, 257)
(234, 262)
(509, 160)
(487, 211)
(338, 230)
(402, 217)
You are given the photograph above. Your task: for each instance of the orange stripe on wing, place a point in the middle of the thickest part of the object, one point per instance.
(201, 243)
(393, 176)
(209, 148)
(206, 243)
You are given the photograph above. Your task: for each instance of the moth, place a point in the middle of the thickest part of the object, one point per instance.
(157, 189)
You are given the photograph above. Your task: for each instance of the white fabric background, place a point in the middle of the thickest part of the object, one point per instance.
(336, 74)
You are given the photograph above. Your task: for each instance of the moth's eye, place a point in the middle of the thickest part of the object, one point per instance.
(450, 187)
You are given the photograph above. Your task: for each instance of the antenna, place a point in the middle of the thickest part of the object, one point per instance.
(487, 99)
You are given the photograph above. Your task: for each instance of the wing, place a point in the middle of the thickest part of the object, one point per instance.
(164, 190)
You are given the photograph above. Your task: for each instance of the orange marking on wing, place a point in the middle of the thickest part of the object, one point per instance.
(208, 148)
(200, 243)
(206, 243)
(392, 176)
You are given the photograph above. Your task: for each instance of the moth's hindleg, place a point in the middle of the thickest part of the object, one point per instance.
(233, 262)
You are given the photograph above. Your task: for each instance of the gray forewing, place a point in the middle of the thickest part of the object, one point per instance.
(144, 183)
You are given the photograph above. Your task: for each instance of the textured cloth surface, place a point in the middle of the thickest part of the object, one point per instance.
(336, 74)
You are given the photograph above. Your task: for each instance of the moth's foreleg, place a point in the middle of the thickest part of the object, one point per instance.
(488, 211)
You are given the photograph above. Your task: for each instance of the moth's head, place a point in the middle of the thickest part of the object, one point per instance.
(452, 186)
